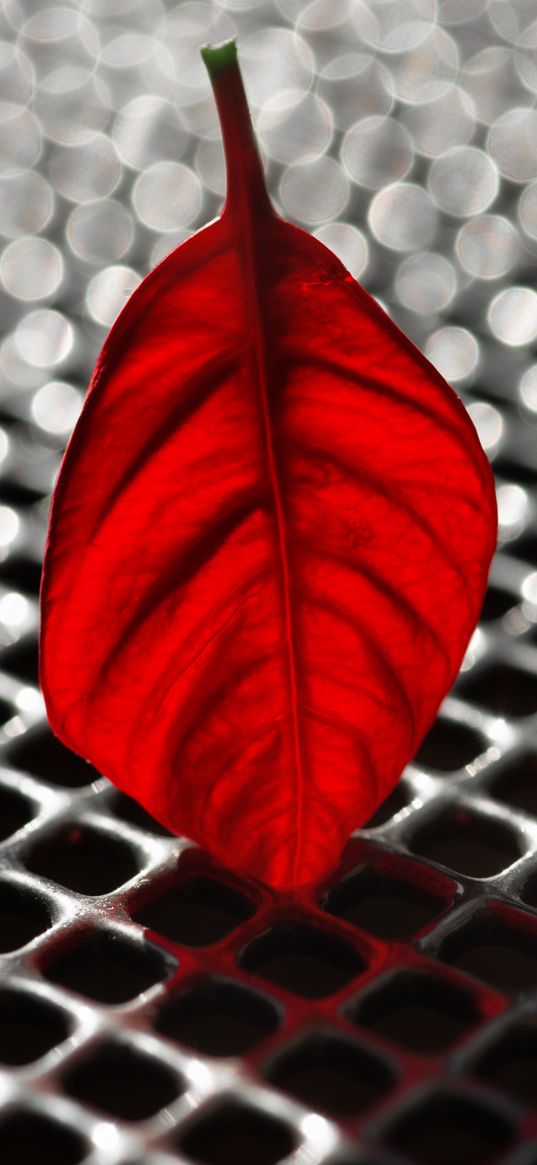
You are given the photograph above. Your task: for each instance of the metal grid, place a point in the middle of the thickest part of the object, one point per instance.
(152, 1007)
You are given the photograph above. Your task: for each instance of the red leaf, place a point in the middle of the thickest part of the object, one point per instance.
(269, 541)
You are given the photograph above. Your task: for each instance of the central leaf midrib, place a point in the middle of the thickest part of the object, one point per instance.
(253, 308)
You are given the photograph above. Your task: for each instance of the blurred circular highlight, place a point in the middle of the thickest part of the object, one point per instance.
(488, 246)
(376, 151)
(44, 338)
(56, 406)
(512, 142)
(528, 388)
(294, 126)
(489, 424)
(348, 243)
(403, 217)
(454, 351)
(313, 192)
(512, 316)
(167, 196)
(109, 291)
(99, 231)
(425, 283)
(464, 181)
(31, 268)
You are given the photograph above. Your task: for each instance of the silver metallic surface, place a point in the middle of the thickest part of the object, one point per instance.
(403, 133)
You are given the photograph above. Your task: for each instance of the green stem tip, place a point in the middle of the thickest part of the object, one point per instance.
(219, 57)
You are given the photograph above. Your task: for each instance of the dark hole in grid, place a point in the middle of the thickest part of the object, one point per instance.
(510, 1064)
(472, 844)
(502, 689)
(302, 959)
(488, 947)
(331, 1074)
(15, 811)
(236, 1134)
(26, 1138)
(449, 746)
(348, 1159)
(196, 913)
(524, 548)
(83, 859)
(530, 1154)
(107, 968)
(6, 711)
(123, 1082)
(29, 1026)
(516, 783)
(22, 573)
(528, 892)
(497, 603)
(20, 660)
(130, 811)
(13, 493)
(416, 1011)
(22, 916)
(40, 753)
(386, 907)
(514, 471)
(218, 1018)
(531, 635)
(444, 1129)
(397, 800)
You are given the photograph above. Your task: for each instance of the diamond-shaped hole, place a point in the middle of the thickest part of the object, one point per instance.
(450, 746)
(502, 689)
(26, 1138)
(83, 859)
(197, 912)
(416, 1011)
(130, 811)
(300, 958)
(20, 660)
(516, 783)
(41, 754)
(121, 1081)
(384, 906)
(447, 1128)
(398, 799)
(217, 1018)
(497, 603)
(23, 915)
(467, 842)
(510, 1063)
(237, 1134)
(488, 947)
(331, 1074)
(22, 573)
(106, 967)
(29, 1026)
(15, 811)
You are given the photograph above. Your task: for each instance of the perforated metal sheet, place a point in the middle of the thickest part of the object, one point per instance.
(152, 1007)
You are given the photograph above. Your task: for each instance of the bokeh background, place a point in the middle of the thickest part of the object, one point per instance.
(154, 1008)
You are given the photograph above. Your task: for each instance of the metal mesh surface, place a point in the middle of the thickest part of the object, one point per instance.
(154, 1008)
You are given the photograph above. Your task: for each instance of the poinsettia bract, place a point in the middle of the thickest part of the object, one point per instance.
(269, 541)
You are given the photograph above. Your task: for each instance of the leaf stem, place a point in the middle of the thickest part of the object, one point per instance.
(246, 189)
